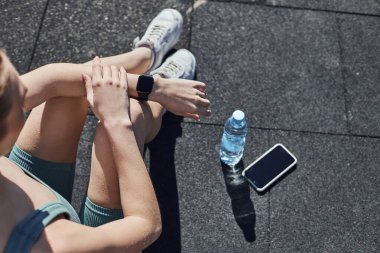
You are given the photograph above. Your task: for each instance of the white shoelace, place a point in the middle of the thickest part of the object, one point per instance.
(156, 33)
(172, 68)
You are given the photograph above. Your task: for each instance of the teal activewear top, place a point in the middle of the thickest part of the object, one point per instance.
(58, 178)
(27, 232)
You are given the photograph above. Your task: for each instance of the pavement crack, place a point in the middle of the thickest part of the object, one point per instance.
(38, 35)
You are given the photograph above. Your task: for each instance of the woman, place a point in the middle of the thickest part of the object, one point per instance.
(121, 210)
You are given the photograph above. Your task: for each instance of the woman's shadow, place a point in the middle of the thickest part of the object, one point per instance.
(163, 176)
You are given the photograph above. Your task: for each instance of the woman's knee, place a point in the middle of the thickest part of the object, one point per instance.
(140, 121)
(146, 121)
(139, 113)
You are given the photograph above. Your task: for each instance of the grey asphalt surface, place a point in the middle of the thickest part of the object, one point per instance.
(306, 73)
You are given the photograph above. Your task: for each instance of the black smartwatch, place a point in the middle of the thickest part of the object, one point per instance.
(144, 87)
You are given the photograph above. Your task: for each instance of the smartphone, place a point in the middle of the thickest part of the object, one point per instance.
(269, 167)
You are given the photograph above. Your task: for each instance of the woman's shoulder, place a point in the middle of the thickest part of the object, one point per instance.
(8, 167)
(12, 172)
(4, 161)
(20, 196)
(15, 203)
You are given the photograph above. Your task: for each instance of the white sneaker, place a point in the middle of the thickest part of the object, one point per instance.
(162, 34)
(179, 65)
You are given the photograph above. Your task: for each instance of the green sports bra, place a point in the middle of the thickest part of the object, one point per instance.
(27, 232)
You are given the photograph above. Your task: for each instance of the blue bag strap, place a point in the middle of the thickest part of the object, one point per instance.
(27, 232)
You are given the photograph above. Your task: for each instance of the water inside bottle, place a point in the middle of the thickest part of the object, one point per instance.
(231, 149)
(233, 139)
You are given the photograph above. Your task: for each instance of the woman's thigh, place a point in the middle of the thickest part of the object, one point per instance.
(52, 130)
(104, 183)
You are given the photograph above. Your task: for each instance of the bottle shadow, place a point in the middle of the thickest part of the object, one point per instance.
(242, 206)
(163, 176)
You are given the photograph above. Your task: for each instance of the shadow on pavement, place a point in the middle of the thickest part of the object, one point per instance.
(241, 203)
(163, 175)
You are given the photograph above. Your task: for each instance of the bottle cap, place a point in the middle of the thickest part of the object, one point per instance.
(238, 115)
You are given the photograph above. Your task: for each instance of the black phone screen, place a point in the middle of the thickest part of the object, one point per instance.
(269, 166)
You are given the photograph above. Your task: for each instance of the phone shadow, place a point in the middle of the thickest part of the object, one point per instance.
(163, 176)
(242, 206)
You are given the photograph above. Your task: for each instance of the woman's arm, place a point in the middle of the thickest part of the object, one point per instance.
(123, 235)
(182, 97)
(106, 93)
(141, 225)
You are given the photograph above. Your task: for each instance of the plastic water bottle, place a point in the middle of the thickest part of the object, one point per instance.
(233, 139)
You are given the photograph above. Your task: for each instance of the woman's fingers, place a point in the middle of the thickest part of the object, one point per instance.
(88, 84)
(203, 102)
(107, 75)
(115, 76)
(204, 111)
(197, 116)
(96, 69)
(123, 78)
(200, 93)
(193, 116)
(200, 86)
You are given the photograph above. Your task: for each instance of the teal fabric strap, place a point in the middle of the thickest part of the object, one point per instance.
(94, 215)
(27, 232)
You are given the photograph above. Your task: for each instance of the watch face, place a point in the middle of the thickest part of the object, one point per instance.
(144, 87)
(145, 84)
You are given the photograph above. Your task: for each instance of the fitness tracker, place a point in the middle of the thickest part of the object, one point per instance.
(144, 87)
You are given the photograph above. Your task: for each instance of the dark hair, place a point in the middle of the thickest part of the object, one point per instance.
(5, 96)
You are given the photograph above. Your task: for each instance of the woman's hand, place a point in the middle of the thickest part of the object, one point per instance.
(181, 97)
(107, 91)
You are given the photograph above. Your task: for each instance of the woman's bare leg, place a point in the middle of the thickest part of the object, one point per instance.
(104, 184)
(135, 62)
(53, 129)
